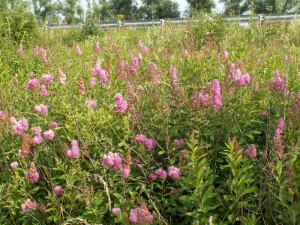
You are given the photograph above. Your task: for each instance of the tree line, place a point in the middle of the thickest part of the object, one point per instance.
(73, 11)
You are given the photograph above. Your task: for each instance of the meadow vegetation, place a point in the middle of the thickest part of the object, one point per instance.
(195, 124)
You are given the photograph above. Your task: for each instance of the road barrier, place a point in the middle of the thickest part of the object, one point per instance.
(161, 22)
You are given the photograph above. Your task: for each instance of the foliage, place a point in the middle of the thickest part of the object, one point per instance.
(207, 122)
(202, 5)
(159, 9)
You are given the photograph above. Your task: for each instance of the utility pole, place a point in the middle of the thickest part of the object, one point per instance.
(84, 11)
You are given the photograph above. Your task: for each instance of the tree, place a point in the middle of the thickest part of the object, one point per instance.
(201, 5)
(125, 7)
(159, 9)
(235, 7)
(71, 10)
(46, 10)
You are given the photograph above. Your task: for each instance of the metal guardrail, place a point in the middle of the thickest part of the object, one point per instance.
(148, 23)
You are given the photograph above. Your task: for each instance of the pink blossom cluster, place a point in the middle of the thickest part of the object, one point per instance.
(36, 51)
(179, 143)
(216, 100)
(28, 205)
(149, 143)
(112, 159)
(160, 173)
(53, 125)
(200, 99)
(32, 175)
(116, 211)
(140, 216)
(19, 127)
(121, 104)
(44, 55)
(251, 151)
(97, 48)
(20, 50)
(44, 91)
(78, 50)
(37, 139)
(49, 134)
(2, 115)
(61, 76)
(174, 172)
(154, 72)
(47, 78)
(98, 71)
(296, 104)
(142, 47)
(74, 152)
(33, 84)
(91, 103)
(134, 64)
(58, 191)
(14, 165)
(174, 79)
(240, 80)
(125, 171)
(93, 81)
(277, 83)
(41, 109)
(122, 70)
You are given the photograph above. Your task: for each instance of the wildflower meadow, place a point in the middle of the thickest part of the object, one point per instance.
(160, 125)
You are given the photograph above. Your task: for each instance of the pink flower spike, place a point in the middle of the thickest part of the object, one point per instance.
(42, 109)
(97, 47)
(79, 53)
(14, 165)
(49, 134)
(20, 50)
(44, 91)
(121, 104)
(75, 150)
(125, 172)
(37, 140)
(179, 143)
(36, 51)
(91, 103)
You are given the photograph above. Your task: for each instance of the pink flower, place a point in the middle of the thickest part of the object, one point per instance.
(152, 176)
(14, 165)
(93, 81)
(150, 144)
(116, 211)
(125, 172)
(32, 175)
(53, 125)
(28, 205)
(49, 134)
(20, 50)
(140, 138)
(251, 151)
(134, 64)
(134, 217)
(91, 103)
(37, 140)
(216, 100)
(36, 51)
(112, 159)
(61, 76)
(58, 191)
(173, 76)
(74, 152)
(79, 53)
(97, 71)
(33, 84)
(44, 55)
(19, 126)
(174, 172)
(36, 130)
(121, 105)
(42, 209)
(277, 83)
(44, 91)
(47, 78)
(179, 143)
(97, 47)
(140, 44)
(162, 174)
(42, 109)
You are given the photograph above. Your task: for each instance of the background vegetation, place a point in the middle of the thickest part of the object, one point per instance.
(174, 125)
